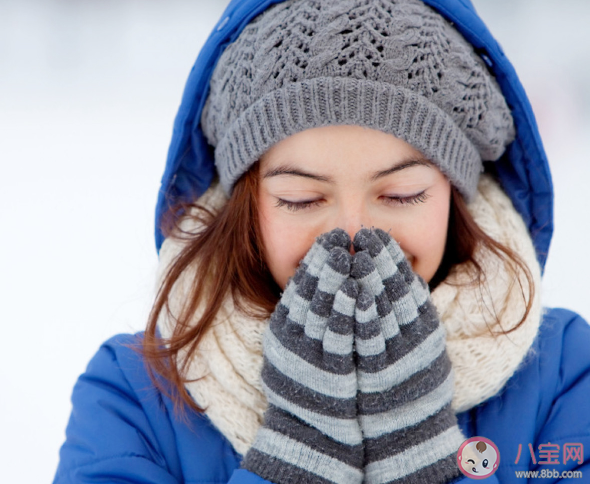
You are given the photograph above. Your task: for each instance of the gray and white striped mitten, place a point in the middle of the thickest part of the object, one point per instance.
(311, 433)
(404, 375)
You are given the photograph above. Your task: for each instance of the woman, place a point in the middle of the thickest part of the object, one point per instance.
(343, 295)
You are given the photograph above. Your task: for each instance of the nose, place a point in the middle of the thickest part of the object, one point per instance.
(351, 219)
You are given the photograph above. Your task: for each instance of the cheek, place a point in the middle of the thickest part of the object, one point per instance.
(423, 239)
(285, 243)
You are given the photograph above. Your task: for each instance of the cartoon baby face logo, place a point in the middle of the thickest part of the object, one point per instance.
(478, 458)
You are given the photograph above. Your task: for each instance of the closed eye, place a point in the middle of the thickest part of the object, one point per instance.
(409, 200)
(294, 206)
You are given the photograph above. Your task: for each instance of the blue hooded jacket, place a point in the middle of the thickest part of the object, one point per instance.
(122, 429)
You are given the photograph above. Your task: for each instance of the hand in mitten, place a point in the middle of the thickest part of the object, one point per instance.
(404, 374)
(311, 432)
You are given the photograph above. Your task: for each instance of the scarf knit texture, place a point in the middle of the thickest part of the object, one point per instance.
(225, 371)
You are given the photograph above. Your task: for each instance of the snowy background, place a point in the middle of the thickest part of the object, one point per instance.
(88, 94)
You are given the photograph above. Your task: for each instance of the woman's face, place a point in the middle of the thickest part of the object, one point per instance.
(350, 177)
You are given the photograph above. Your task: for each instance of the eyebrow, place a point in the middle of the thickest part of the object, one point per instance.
(291, 171)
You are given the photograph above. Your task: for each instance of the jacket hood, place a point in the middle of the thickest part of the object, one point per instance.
(523, 170)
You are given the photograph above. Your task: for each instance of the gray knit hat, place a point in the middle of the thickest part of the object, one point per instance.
(392, 65)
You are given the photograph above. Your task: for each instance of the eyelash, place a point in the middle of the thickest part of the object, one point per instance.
(411, 200)
(398, 201)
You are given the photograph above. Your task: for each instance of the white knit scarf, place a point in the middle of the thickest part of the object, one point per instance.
(225, 372)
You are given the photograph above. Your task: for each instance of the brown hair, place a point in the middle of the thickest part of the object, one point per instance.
(481, 446)
(464, 237)
(222, 269)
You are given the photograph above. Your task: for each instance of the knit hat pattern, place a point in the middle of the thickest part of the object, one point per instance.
(392, 65)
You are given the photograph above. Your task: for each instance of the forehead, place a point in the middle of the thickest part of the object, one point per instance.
(469, 451)
(338, 141)
(325, 153)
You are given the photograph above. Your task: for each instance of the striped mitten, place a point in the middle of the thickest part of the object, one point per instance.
(311, 433)
(404, 375)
